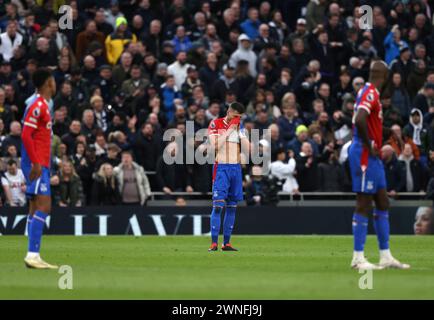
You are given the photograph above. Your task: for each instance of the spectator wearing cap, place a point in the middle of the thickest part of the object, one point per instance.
(196, 55)
(403, 64)
(301, 136)
(178, 69)
(191, 81)
(181, 41)
(393, 44)
(86, 37)
(425, 99)
(117, 41)
(245, 52)
(300, 32)
(227, 82)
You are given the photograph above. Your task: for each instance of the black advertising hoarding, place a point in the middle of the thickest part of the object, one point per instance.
(195, 220)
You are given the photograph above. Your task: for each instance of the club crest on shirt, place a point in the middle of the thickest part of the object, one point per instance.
(370, 97)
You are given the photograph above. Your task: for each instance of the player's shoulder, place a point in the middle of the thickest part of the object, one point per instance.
(216, 123)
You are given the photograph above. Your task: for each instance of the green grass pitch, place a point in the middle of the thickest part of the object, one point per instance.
(269, 267)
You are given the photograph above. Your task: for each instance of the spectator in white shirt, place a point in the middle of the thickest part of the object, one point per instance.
(10, 40)
(179, 69)
(285, 171)
(14, 185)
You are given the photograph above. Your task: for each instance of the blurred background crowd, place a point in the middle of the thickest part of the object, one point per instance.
(130, 69)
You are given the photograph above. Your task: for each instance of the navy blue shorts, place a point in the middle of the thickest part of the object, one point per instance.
(373, 178)
(227, 182)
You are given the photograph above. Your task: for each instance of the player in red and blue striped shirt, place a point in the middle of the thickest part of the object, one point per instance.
(35, 163)
(367, 172)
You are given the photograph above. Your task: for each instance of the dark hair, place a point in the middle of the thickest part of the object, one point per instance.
(12, 162)
(237, 107)
(40, 77)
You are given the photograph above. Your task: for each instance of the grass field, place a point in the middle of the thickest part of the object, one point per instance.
(279, 267)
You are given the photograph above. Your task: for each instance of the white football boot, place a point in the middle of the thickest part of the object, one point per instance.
(387, 261)
(359, 262)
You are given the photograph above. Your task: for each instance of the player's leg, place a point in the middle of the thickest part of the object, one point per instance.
(382, 229)
(220, 191)
(362, 186)
(234, 196)
(30, 214)
(360, 223)
(41, 207)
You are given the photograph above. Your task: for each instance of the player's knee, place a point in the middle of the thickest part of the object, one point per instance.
(231, 204)
(218, 206)
(383, 205)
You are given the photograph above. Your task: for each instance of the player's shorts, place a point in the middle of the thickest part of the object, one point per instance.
(40, 186)
(227, 182)
(373, 178)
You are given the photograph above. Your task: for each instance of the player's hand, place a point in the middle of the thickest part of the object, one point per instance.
(235, 122)
(36, 171)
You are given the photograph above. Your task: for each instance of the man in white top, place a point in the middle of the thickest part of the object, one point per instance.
(179, 69)
(285, 171)
(10, 40)
(14, 185)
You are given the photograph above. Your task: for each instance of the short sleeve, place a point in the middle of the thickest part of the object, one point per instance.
(34, 115)
(368, 101)
(4, 181)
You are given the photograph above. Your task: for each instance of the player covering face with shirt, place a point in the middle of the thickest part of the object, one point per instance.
(367, 172)
(36, 163)
(226, 135)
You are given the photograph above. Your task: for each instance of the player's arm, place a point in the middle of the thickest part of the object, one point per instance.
(361, 122)
(29, 128)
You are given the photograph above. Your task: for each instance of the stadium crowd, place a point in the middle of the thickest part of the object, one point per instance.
(129, 70)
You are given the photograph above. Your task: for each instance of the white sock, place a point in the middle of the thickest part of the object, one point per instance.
(385, 254)
(32, 255)
(358, 255)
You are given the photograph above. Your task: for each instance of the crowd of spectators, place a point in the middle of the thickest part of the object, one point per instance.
(129, 70)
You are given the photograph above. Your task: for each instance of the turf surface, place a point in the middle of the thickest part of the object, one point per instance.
(279, 267)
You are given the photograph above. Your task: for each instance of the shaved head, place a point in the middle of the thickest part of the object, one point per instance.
(378, 75)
